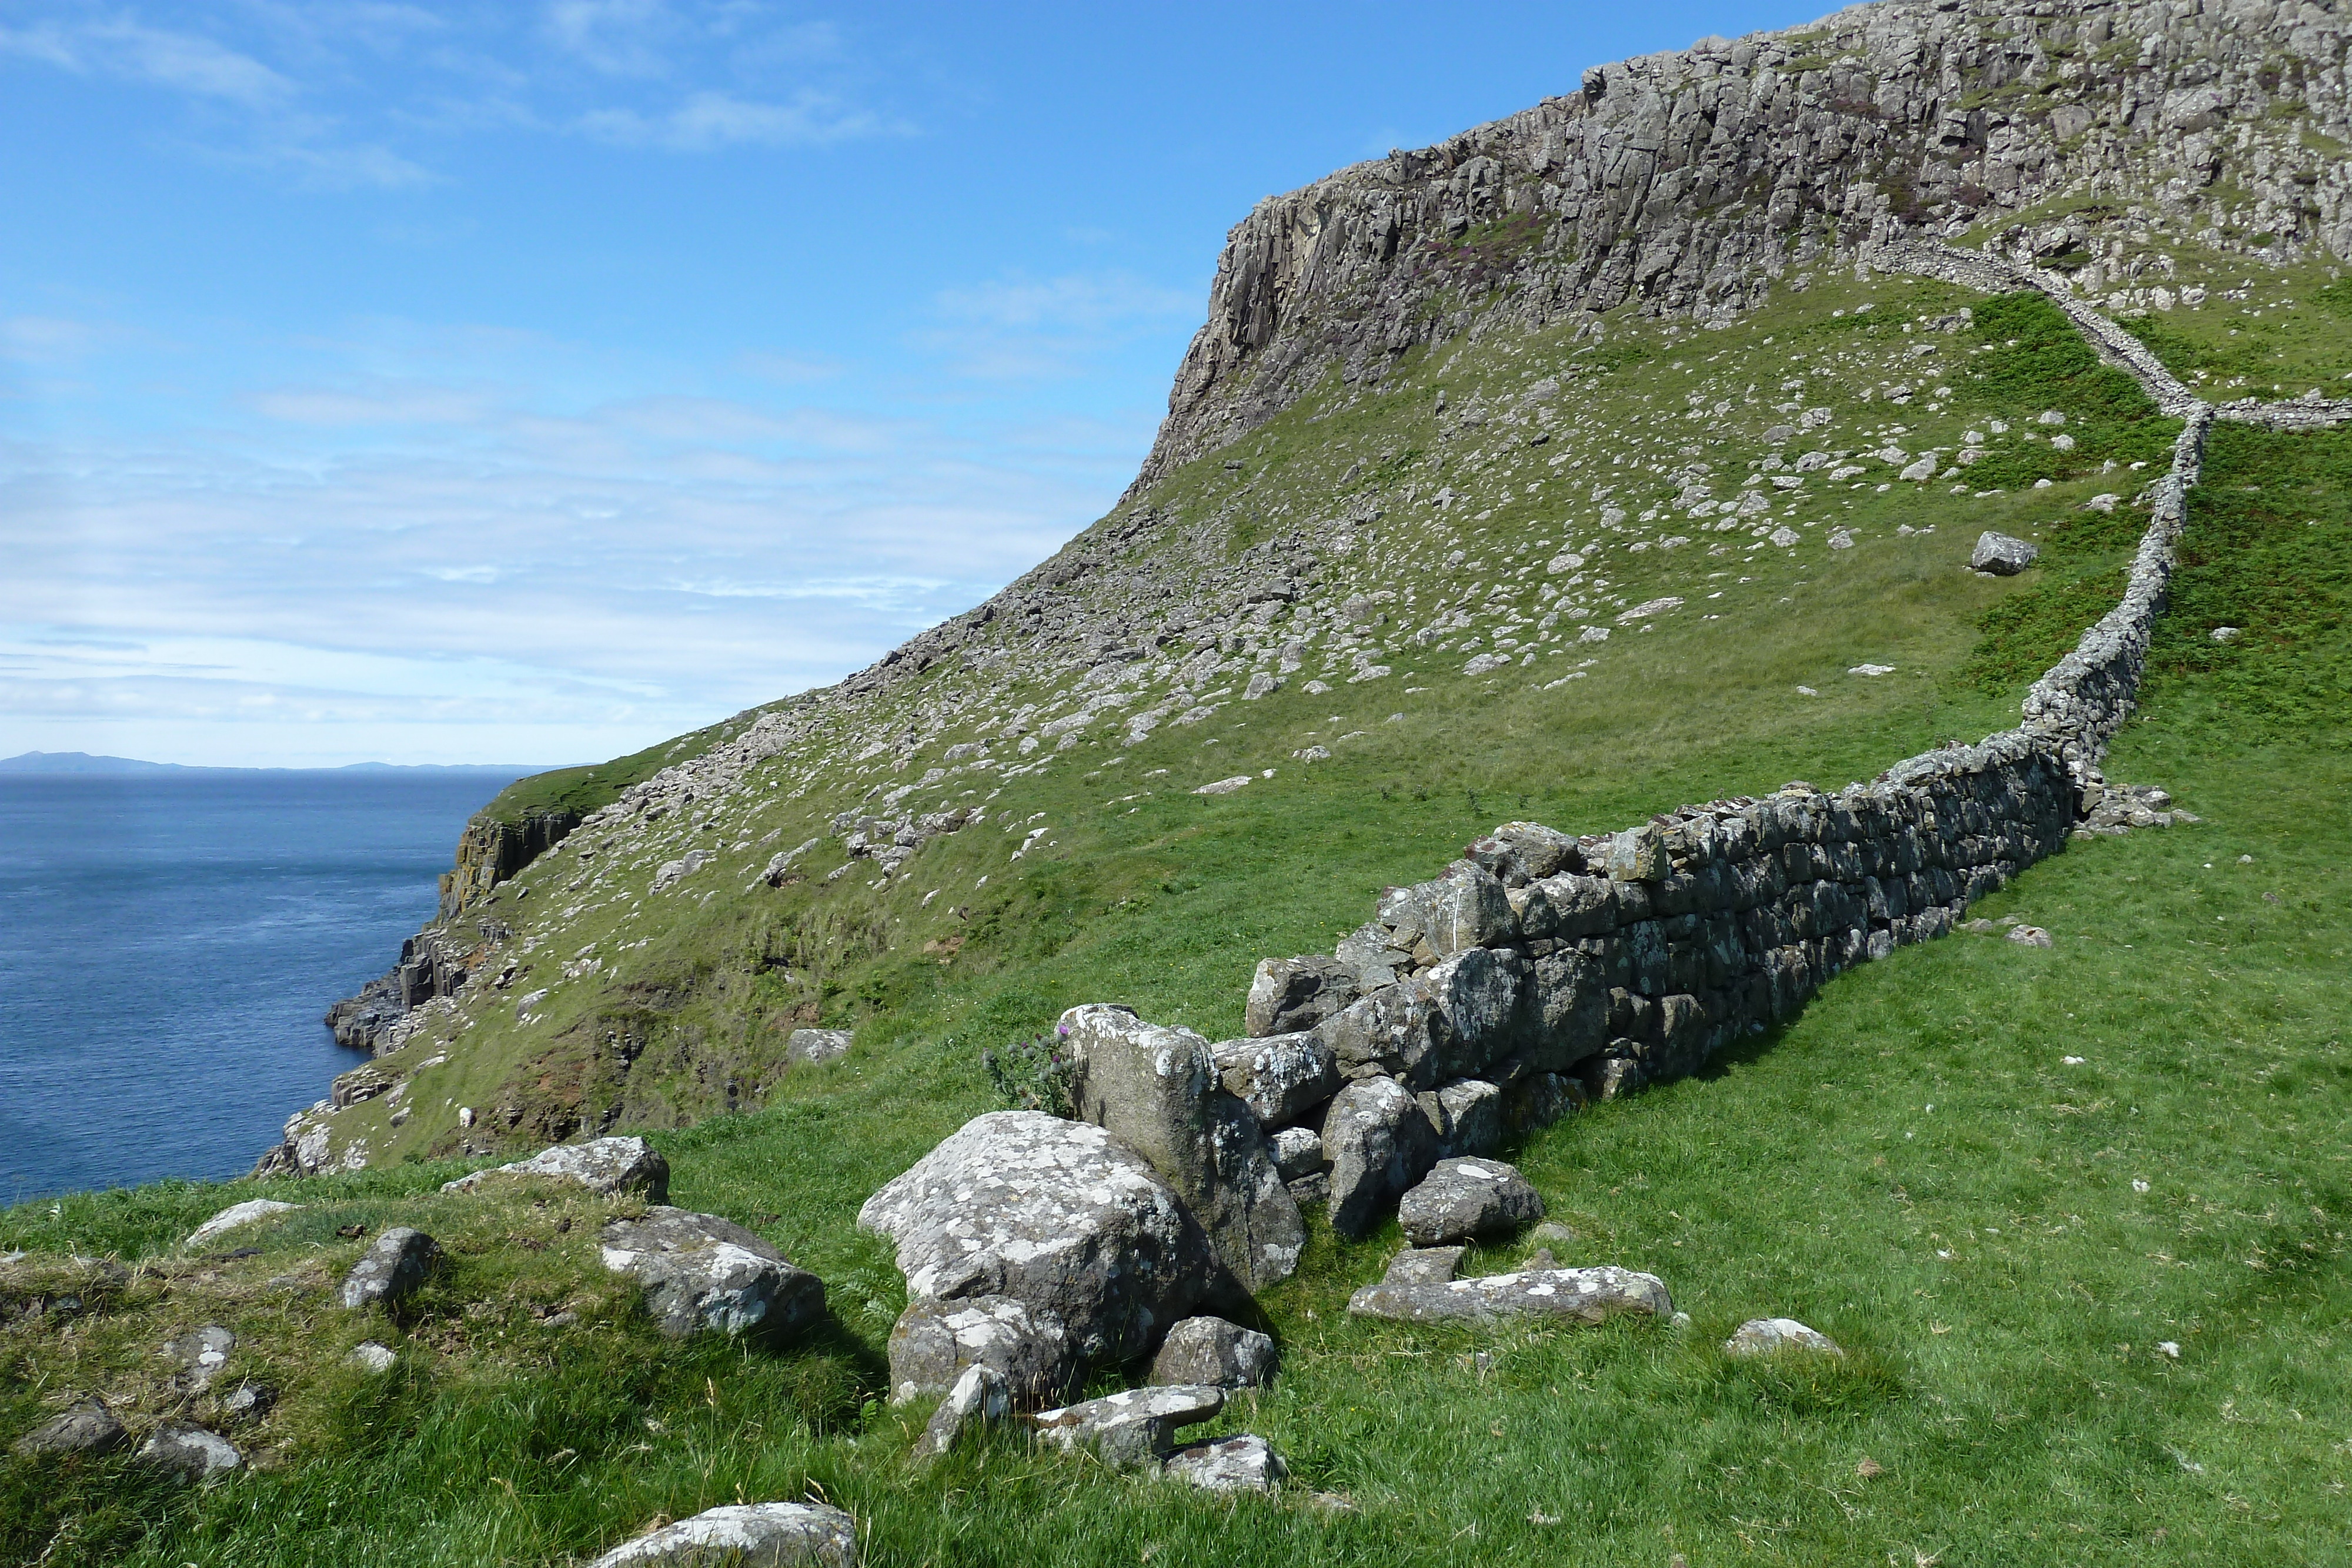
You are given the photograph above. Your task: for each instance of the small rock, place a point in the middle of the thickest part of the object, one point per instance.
(87, 1427)
(1132, 1428)
(2031, 935)
(1424, 1266)
(392, 1270)
(980, 1396)
(2226, 634)
(1211, 1351)
(1464, 1199)
(700, 1271)
(1246, 1463)
(232, 1217)
(603, 1165)
(193, 1453)
(754, 1535)
(200, 1353)
(817, 1044)
(2002, 555)
(248, 1401)
(1872, 670)
(1587, 1295)
(1552, 1233)
(1297, 1151)
(370, 1357)
(1764, 1336)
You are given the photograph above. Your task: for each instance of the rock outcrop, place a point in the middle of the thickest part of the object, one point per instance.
(700, 1271)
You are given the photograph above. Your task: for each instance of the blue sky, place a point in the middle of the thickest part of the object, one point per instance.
(441, 383)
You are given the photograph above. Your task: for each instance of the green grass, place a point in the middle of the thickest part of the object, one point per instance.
(2000, 1279)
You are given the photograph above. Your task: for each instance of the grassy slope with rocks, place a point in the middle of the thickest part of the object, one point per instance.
(2003, 1237)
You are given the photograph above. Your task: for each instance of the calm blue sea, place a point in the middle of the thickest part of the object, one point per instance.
(168, 944)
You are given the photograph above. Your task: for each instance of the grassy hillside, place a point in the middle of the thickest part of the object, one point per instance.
(2005, 1239)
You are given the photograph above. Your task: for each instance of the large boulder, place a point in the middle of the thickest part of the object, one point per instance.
(1467, 1200)
(235, 1215)
(1287, 995)
(1211, 1351)
(391, 1269)
(1133, 1427)
(700, 1271)
(603, 1165)
(1380, 1142)
(1159, 1090)
(745, 1536)
(1057, 1214)
(1586, 1295)
(934, 1342)
(1279, 1077)
(2002, 555)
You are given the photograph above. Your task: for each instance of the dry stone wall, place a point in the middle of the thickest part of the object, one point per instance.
(1543, 968)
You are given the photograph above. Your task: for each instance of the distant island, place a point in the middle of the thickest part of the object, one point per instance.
(81, 763)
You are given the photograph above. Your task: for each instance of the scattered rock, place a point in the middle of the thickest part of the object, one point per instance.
(191, 1452)
(2226, 634)
(1764, 1336)
(248, 1401)
(1133, 1427)
(603, 1165)
(200, 1353)
(2002, 555)
(2030, 935)
(392, 1268)
(746, 1535)
(1379, 1144)
(1552, 1233)
(1588, 1295)
(817, 1044)
(1228, 786)
(1211, 1350)
(232, 1217)
(1056, 1215)
(700, 1271)
(980, 1397)
(1159, 1092)
(1872, 670)
(934, 1342)
(1464, 1199)
(370, 1357)
(1424, 1266)
(87, 1426)
(1245, 1463)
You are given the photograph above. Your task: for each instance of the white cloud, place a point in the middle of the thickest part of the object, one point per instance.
(1038, 328)
(710, 120)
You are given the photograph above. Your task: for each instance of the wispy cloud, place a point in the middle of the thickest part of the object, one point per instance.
(1029, 329)
(710, 120)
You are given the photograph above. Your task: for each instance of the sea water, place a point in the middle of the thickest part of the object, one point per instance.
(169, 944)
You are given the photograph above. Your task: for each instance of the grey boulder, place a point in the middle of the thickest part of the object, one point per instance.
(1133, 1427)
(1424, 1266)
(87, 1426)
(1769, 1337)
(817, 1044)
(1211, 1351)
(1446, 1023)
(1467, 1115)
(745, 1536)
(192, 1453)
(1279, 1077)
(1297, 1151)
(1158, 1090)
(392, 1268)
(1585, 1295)
(1379, 1144)
(700, 1271)
(935, 1343)
(1057, 1214)
(2002, 555)
(603, 1165)
(235, 1215)
(1465, 1199)
(1287, 995)
(1245, 1463)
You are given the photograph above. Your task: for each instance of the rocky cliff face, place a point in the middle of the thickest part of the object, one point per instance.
(1689, 182)
(488, 853)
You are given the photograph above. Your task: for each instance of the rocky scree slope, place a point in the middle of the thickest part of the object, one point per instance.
(1392, 524)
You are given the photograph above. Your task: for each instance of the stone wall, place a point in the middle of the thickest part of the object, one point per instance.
(1544, 967)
